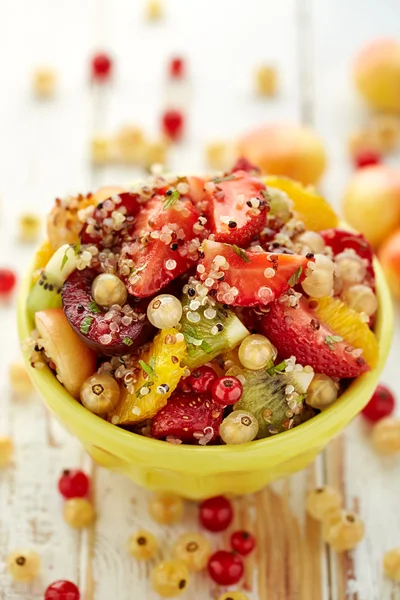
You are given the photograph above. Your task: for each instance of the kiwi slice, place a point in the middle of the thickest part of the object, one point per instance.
(267, 396)
(46, 293)
(209, 330)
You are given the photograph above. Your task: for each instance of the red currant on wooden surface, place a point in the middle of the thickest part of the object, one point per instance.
(62, 590)
(243, 542)
(177, 67)
(73, 484)
(201, 380)
(216, 513)
(101, 67)
(225, 568)
(366, 158)
(172, 124)
(226, 390)
(7, 281)
(381, 405)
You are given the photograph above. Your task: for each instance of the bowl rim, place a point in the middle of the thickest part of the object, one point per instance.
(135, 447)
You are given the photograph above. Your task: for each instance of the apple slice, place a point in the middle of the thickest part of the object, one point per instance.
(74, 361)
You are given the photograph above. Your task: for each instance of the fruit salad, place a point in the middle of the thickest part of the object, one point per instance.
(203, 310)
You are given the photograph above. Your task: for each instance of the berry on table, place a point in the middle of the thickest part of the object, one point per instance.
(19, 378)
(100, 149)
(391, 564)
(170, 578)
(256, 351)
(225, 568)
(177, 67)
(386, 436)
(193, 549)
(44, 83)
(143, 545)
(172, 124)
(343, 530)
(266, 81)
(154, 10)
(201, 380)
(7, 281)
(366, 158)
(62, 590)
(233, 596)
(216, 513)
(79, 513)
(239, 427)
(217, 155)
(73, 484)
(243, 542)
(381, 404)
(226, 390)
(164, 311)
(166, 509)
(29, 227)
(101, 67)
(6, 450)
(23, 565)
(321, 501)
(100, 393)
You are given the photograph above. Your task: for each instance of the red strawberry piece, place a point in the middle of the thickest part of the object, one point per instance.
(188, 417)
(340, 240)
(252, 278)
(164, 244)
(297, 332)
(88, 319)
(237, 208)
(102, 230)
(366, 158)
(242, 164)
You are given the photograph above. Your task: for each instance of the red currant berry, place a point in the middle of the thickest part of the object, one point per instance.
(243, 542)
(225, 568)
(226, 390)
(172, 124)
(381, 404)
(101, 67)
(73, 484)
(7, 281)
(62, 590)
(201, 379)
(366, 158)
(177, 67)
(216, 513)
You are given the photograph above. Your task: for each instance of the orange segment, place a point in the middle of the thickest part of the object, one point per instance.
(162, 367)
(312, 209)
(347, 323)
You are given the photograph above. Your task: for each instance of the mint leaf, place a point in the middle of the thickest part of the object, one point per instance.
(295, 277)
(77, 247)
(94, 308)
(230, 177)
(171, 199)
(86, 324)
(241, 253)
(148, 369)
(330, 340)
(127, 341)
(65, 259)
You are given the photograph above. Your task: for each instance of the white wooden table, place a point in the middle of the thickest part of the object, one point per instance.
(44, 153)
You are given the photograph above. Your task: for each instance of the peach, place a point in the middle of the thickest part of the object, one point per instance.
(371, 203)
(389, 256)
(74, 361)
(377, 74)
(285, 149)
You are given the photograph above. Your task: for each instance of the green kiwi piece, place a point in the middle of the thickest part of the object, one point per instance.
(265, 395)
(46, 292)
(209, 337)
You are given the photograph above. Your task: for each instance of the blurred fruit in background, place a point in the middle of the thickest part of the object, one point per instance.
(101, 67)
(219, 155)
(377, 74)
(381, 135)
(371, 203)
(44, 83)
(389, 256)
(266, 81)
(285, 149)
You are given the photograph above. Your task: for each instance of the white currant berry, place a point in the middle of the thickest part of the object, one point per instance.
(256, 352)
(108, 289)
(24, 565)
(320, 281)
(100, 393)
(322, 391)
(164, 311)
(238, 427)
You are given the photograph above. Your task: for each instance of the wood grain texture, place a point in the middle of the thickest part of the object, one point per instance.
(44, 153)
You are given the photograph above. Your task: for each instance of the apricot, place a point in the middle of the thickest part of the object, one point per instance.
(285, 149)
(377, 74)
(371, 203)
(74, 361)
(389, 256)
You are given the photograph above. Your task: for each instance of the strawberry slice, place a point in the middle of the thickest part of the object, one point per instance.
(248, 278)
(340, 240)
(165, 244)
(297, 332)
(242, 164)
(188, 417)
(103, 227)
(237, 208)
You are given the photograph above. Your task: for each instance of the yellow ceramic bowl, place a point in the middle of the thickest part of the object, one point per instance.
(200, 472)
